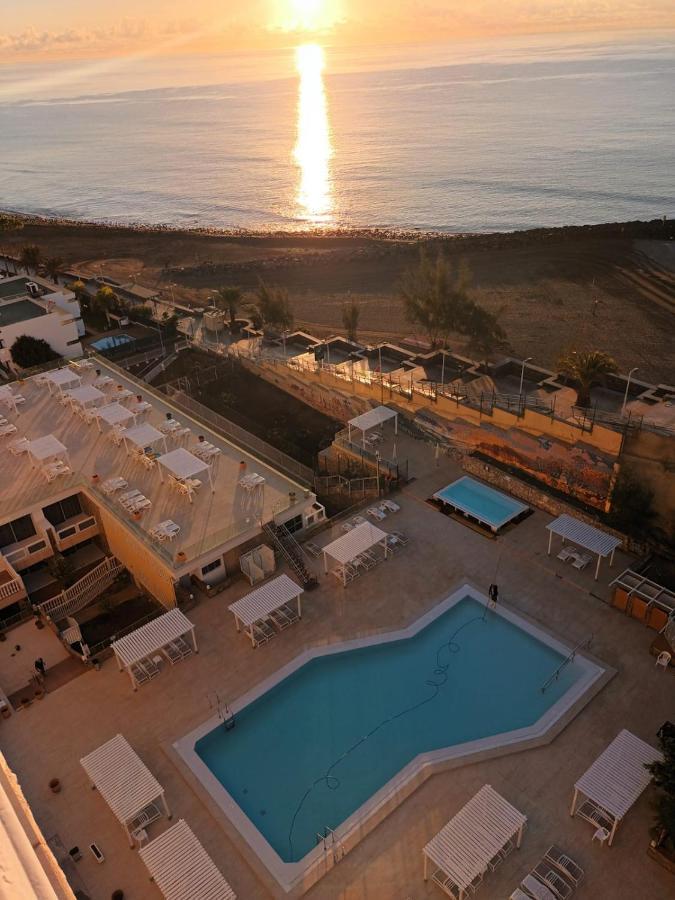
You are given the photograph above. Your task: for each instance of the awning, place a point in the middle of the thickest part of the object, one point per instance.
(182, 464)
(113, 414)
(586, 536)
(150, 638)
(60, 378)
(143, 436)
(617, 777)
(373, 418)
(258, 604)
(182, 869)
(354, 543)
(47, 447)
(86, 395)
(473, 837)
(123, 780)
(7, 396)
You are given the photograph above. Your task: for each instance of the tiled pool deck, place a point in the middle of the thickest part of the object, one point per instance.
(48, 739)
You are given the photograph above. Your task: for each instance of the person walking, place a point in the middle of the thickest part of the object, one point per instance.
(40, 667)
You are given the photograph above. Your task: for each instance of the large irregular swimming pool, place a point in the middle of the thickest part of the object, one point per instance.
(313, 749)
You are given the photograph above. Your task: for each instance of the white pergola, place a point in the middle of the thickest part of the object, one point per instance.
(182, 464)
(62, 378)
(85, 396)
(372, 419)
(182, 869)
(463, 849)
(124, 781)
(353, 544)
(7, 396)
(113, 414)
(46, 448)
(143, 436)
(258, 604)
(587, 536)
(150, 639)
(616, 779)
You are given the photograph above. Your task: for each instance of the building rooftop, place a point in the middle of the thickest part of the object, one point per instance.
(213, 519)
(20, 310)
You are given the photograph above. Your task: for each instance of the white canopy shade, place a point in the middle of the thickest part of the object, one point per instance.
(143, 436)
(258, 604)
(84, 396)
(472, 838)
(182, 869)
(61, 378)
(354, 543)
(123, 780)
(113, 414)
(7, 395)
(373, 418)
(150, 638)
(47, 447)
(617, 777)
(182, 464)
(586, 536)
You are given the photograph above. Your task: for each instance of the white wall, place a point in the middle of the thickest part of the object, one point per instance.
(55, 328)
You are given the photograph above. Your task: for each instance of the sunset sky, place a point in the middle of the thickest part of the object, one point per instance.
(39, 29)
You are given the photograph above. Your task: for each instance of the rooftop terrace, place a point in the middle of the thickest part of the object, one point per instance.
(211, 520)
(13, 312)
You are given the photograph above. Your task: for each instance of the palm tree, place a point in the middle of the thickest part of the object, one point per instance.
(30, 257)
(229, 299)
(351, 313)
(586, 369)
(52, 267)
(272, 307)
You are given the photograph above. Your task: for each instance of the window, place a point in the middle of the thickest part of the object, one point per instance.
(72, 343)
(18, 530)
(212, 566)
(57, 513)
(294, 524)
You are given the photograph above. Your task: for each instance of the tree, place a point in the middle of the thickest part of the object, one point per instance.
(351, 313)
(483, 328)
(272, 307)
(52, 267)
(79, 289)
(30, 257)
(228, 299)
(663, 774)
(632, 509)
(586, 369)
(27, 351)
(104, 300)
(9, 223)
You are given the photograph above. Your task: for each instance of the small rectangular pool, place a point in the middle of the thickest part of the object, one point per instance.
(343, 732)
(486, 505)
(112, 341)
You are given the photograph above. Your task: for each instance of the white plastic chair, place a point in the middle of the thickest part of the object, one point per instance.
(663, 659)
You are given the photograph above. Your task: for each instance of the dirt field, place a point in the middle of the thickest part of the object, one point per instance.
(610, 287)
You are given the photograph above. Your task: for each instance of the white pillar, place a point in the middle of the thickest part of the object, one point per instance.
(325, 563)
(133, 680)
(396, 424)
(520, 837)
(426, 863)
(194, 640)
(299, 607)
(129, 837)
(597, 568)
(168, 812)
(611, 558)
(550, 541)
(613, 832)
(574, 802)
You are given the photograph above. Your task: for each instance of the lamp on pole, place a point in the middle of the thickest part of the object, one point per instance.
(522, 374)
(625, 396)
(379, 350)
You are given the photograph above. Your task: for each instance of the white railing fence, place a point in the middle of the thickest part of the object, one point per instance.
(80, 594)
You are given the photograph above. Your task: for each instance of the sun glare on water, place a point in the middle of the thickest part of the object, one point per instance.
(313, 148)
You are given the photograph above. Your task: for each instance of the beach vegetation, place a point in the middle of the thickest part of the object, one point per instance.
(351, 313)
(228, 298)
(271, 309)
(53, 266)
(30, 257)
(663, 773)
(632, 506)
(586, 369)
(27, 351)
(9, 222)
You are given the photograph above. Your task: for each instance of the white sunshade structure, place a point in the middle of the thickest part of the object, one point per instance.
(462, 850)
(373, 419)
(587, 536)
(182, 464)
(346, 548)
(615, 780)
(182, 869)
(7, 396)
(85, 396)
(143, 436)
(113, 414)
(62, 378)
(260, 603)
(150, 639)
(46, 448)
(124, 782)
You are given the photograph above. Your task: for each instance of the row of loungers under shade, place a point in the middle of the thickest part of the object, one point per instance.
(276, 622)
(177, 650)
(144, 671)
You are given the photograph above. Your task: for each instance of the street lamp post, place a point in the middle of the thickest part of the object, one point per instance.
(625, 396)
(522, 374)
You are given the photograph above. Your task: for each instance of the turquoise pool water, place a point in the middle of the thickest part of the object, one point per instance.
(313, 749)
(112, 341)
(480, 501)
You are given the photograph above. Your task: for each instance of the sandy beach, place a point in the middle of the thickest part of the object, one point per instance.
(606, 286)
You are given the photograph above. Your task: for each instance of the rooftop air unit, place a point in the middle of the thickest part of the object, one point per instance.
(33, 289)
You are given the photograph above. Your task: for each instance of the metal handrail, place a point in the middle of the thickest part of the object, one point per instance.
(568, 659)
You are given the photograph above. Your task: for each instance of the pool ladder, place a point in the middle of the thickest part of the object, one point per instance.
(582, 645)
(330, 842)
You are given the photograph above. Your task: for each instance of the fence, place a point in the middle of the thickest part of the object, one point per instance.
(80, 594)
(98, 649)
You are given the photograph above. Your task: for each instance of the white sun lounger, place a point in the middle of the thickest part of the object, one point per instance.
(581, 561)
(567, 553)
(551, 877)
(313, 549)
(19, 447)
(376, 513)
(390, 505)
(561, 860)
(112, 485)
(536, 889)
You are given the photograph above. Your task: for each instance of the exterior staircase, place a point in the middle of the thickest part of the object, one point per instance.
(285, 544)
(83, 592)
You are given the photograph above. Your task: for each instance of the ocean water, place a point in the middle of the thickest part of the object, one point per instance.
(312, 750)
(463, 137)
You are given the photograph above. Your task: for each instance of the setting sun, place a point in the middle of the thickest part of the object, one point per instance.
(308, 15)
